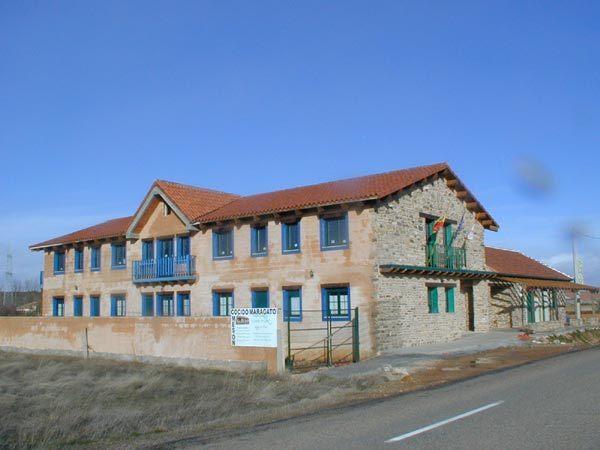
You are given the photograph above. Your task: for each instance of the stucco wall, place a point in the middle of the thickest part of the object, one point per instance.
(401, 317)
(200, 342)
(310, 269)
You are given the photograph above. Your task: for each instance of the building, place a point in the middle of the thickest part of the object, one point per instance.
(318, 252)
(526, 293)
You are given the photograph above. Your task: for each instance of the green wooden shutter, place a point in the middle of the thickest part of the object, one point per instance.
(450, 300)
(433, 300)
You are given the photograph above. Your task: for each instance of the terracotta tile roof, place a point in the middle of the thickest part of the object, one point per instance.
(194, 201)
(333, 192)
(510, 262)
(108, 229)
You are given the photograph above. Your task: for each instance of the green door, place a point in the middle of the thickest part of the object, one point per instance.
(530, 308)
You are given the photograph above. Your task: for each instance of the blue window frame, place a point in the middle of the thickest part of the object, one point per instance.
(290, 237)
(58, 306)
(259, 243)
(292, 304)
(147, 305)
(165, 306)
(118, 307)
(260, 298)
(222, 303)
(165, 248)
(95, 258)
(223, 244)
(119, 255)
(336, 303)
(148, 250)
(184, 307)
(94, 305)
(183, 246)
(334, 232)
(59, 262)
(78, 306)
(78, 260)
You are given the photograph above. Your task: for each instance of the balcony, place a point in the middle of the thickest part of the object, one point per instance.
(181, 268)
(443, 257)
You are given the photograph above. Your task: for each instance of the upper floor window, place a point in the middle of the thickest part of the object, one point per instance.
(223, 244)
(117, 306)
(59, 262)
(78, 266)
(119, 256)
(334, 232)
(148, 250)
(167, 209)
(94, 305)
(258, 240)
(58, 306)
(183, 246)
(336, 303)
(165, 305)
(95, 258)
(290, 237)
(165, 248)
(222, 303)
(292, 304)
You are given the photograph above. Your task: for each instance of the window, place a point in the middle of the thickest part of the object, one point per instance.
(449, 299)
(165, 305)
(223, 244)
(165, 248)
(290, 237)
(94, 305)
(78, 306)
(148, 250)
(95, 258)
(260, 298)
(222, 303)
(336, 303)
(166, 209)
(183, 246)
(119, 256)
(432, 300)
(78, 267)
(292, 304)
(258, 240)
(183, 304)
(58, 307)
(147, 305)
(117, 306)
(59, 262)
(334, 232)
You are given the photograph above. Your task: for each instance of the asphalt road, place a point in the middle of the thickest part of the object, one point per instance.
(551, 404)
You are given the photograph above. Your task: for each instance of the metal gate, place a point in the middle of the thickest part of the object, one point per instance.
(322, 339)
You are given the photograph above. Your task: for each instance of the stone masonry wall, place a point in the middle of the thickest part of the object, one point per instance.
(401, 308)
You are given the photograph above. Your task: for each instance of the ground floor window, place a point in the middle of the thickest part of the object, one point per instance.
(336, 303)
(222, 303)
(432, 300)
(94, 305)
(450, 299)
(117, 306)
(260, 298)
(165, 306)
(292, 304)
(183, 304)
(58, 307)
(78, 306)
(147, 305)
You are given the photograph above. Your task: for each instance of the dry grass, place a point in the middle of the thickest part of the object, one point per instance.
(48, 401)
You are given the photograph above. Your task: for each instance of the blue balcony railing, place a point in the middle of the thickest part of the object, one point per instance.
(177, 268)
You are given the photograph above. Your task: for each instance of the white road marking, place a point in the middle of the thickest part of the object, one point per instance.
(444, 422)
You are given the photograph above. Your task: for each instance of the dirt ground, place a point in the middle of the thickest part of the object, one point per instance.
(56, 401)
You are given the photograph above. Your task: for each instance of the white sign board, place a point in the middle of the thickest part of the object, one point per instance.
(254, 327)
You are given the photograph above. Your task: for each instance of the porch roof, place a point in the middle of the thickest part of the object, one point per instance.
(539, 283)
(401, 269)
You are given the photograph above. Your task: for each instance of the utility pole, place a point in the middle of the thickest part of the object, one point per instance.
(576, 275)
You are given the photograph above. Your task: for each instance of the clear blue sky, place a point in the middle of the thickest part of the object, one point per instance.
(100, 98)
